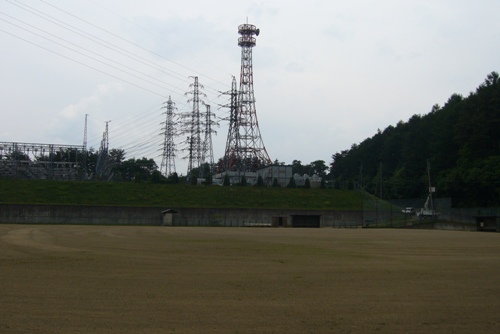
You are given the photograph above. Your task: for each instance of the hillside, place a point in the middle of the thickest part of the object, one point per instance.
(460, 140)
(148, 194)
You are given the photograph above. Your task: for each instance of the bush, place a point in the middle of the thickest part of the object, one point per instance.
(226, 182)
(275, 183)
(260, 181)
(193, 180)
(243, 181)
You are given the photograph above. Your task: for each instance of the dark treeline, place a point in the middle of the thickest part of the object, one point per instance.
(461, 142)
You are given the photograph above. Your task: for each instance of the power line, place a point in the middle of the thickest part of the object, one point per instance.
(93, 58)
(126, 40)
(79, 62)
(103, 42)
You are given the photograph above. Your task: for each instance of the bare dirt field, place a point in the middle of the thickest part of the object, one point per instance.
(129, 279)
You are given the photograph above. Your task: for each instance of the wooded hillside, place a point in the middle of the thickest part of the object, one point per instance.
(461, 142)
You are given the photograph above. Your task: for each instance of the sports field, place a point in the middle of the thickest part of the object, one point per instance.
(129, 279)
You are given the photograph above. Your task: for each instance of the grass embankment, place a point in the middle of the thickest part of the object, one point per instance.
(147, 194)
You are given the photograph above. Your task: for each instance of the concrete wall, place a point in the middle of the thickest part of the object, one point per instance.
(452, 226)
(76, 214)
(114, 215)
(259, 217)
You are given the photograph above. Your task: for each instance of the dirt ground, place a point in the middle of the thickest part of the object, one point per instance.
(128, 279)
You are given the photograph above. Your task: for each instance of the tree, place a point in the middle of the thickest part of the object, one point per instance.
(276, 183)
(173, 178)
(243, 181)
(138, 170)
(307, 184)
(156, 177)
(208, 180)
(492, 79)
(260, 181)
(297, 167)
(291, 183)
(193, 178)
(318, 167)
(116, 156)
(227, 181)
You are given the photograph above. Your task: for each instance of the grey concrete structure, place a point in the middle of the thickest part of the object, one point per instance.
(115, 215)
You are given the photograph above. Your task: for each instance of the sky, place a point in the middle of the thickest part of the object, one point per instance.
(327, 74)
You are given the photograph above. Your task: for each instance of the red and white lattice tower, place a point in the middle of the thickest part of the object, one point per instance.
(245, 150)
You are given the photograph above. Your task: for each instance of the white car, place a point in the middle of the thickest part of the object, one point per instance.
(408, 211)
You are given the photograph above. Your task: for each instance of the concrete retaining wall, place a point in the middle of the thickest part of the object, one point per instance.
(76, 214)
(445, 226)
(114, 215)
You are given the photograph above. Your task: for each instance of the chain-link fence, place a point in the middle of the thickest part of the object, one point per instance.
(405, 212)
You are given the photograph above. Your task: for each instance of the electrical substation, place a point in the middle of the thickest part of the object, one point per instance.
(188, 132)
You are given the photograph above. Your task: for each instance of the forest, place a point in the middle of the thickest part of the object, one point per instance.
(459, 141)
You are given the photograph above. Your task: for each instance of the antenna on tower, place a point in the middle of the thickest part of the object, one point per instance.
(245, 150)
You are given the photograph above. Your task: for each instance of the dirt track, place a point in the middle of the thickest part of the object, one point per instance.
(88, 279)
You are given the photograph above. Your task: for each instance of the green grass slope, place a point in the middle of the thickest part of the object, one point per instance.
(147, 194)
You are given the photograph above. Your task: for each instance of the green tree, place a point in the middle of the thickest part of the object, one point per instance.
(318, 167)
(193, 178)
(276, 183)
(173, 178)
(208, 180)
(260, 181)
(243, 181)
(156, 177)
(297, 167)
(227, 181)
(291, 183)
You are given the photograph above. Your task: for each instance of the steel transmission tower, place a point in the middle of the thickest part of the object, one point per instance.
(245, 145)
(167, 166)
(208, 150)
(231, 155)
(84, 150)
(192, 126)
(102, 164)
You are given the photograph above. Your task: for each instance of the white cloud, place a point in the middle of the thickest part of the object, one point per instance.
(88, 104)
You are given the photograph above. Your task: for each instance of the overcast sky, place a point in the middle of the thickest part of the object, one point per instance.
(327, 74)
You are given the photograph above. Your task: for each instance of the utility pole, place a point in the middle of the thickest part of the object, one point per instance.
(431, 189)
